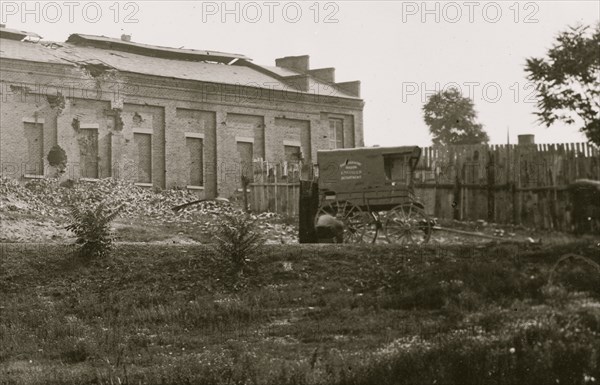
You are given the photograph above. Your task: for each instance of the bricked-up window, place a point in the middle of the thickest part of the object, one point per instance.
(292, 153)
(336, 133)
(88, 153)
(34, 134)
(195, 150)
(245, 150)
(143, 146)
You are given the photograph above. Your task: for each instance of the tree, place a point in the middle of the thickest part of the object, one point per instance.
(568, 80)
(451, 118)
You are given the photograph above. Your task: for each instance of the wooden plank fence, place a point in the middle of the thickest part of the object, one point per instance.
(276, 186)
(518, 184)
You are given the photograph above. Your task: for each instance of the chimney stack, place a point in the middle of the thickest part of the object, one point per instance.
(324, 74)
(125, 37)
(301, 81)
(526, 139)
(351, 88)
(294, 63)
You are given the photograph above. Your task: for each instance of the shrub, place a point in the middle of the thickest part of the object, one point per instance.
(76, 350)
(57, 157)
(91, 225)
(236, 239)
(547, 351)
(578, 277)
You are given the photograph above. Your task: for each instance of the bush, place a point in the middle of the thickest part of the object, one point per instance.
(577, 277)
(57, 157)
(236, 239)
(547, 351)
(466, 285)
(76, 350)
(91, 225)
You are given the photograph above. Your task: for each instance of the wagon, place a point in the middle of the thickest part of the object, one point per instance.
(370, 190)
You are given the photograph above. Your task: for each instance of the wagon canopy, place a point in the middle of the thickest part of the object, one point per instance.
(366, 167)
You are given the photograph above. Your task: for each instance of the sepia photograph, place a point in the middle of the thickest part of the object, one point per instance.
(304, 192)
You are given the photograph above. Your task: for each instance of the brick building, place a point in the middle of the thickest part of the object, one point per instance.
(163, 117)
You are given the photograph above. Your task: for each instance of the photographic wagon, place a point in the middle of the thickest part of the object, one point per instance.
(370, 190)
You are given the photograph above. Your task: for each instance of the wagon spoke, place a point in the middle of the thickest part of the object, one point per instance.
(407, 224)
(356, 222)
(396, 217)
(359, 226)
(408, 217)
(400, 214)
(352, 237)
(402, 238)
(394, 232)
(352, 208)
(397, 234)
(336, 207)
(345, 211)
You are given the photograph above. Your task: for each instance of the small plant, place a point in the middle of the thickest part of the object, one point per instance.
(91, 225)
(236, 239)
(57, 157)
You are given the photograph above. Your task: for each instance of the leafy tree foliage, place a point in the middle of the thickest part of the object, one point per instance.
(451, 118)
(568, 80)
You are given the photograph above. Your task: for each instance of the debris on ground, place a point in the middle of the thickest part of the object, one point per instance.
(38, 211)
(47, 204)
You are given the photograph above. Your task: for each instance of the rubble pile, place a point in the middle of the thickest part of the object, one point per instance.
(47, 196)
(51, 199)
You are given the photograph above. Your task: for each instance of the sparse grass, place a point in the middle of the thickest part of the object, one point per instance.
(308, 315)
(147, 230)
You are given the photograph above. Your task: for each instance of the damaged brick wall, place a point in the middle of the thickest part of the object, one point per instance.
(193, 124)
(118, 105)
(297, 133)
(84, 133)
(19, 110)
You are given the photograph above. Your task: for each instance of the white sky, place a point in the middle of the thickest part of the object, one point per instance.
(385, 44)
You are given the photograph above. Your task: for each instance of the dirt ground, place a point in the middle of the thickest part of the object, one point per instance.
(34, 228)
(39, 212)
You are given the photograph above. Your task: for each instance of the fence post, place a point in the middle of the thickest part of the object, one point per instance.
(308, 206)
(457, 201)
(245, 183)
(491, 182)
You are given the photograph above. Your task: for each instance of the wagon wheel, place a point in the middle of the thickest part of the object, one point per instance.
(407, 224)
(359, 225)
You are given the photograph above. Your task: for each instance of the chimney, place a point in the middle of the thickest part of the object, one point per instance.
(324, 74)
(299, 82)
(294, 63)
(351, 88)
(125, 37)
(527, 139)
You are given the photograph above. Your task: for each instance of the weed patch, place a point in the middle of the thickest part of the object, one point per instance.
(158, 314)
